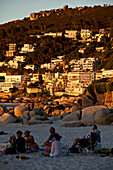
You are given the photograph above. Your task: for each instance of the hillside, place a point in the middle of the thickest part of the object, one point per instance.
(46, 48)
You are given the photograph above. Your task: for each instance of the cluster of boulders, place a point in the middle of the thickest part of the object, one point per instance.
(91, 113)
(65, 109)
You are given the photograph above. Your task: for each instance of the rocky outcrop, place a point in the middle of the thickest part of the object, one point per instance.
(35, 115)
(3, 109)
(103, 117)
(75, 124)
(74, 116)
(86, 101)
(18, 110)
(97, 114)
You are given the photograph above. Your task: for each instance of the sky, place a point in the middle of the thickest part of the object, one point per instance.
(18, 9)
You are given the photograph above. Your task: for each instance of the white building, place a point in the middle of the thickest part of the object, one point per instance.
(13, 64)
(20, 58)
(107, 73)
(71, 34)
(30, 66)
(11, 81)
(27, 48)
(86, 33)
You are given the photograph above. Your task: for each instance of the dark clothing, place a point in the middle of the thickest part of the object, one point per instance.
(51, 137)
(20, 145)
(84, 142)
(10, 150)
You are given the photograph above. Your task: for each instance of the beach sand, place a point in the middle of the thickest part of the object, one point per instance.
(41, 133)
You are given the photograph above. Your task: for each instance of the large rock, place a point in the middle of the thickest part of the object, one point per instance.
(88, 113)
(75, 108)
(32, 113)
(11, 119)
(103, 117)
(18, 110)
(37, 117)
(40, 111)
(3, 109)
(75, 124)
(86, 101)
(5, 117)
(74, 116)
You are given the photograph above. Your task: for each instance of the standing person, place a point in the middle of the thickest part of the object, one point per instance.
(30, 143)
(79, 103)
(20, 142)
(56, 147)
(50, 139)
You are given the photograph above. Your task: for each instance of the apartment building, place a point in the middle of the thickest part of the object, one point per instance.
(107, 73)
(30, 66)
(71, 34)
(86, 33)
(54, 62)
(55, 83)
(78, 81)
(11, 81)
(27, 48)
(53, 34)
(20, 58)
(11, 51)
(13, 64)
(84, 64)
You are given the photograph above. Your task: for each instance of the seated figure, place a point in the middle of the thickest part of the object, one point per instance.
(50, 139)
(86, 140)
(56, 147)
(30, 143)
(20, 142)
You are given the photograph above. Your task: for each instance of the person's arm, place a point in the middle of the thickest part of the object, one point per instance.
(52, 149)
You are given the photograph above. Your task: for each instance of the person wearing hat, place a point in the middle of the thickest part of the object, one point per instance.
(20, 142)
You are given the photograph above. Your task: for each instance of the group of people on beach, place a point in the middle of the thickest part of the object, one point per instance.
(53, 145)
(20, 144)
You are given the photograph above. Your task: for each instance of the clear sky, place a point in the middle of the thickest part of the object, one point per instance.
(18, 9)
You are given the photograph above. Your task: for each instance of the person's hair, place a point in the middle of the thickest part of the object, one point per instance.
(53, 129)
(57, 136)
(27, 131)
(79, 102)
(19, 132)
(95, 126)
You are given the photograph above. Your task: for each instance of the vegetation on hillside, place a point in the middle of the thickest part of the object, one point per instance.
(48, 47)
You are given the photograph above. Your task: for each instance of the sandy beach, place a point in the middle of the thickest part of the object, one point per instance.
(41, 133)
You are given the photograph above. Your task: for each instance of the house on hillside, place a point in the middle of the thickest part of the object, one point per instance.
(30, 66)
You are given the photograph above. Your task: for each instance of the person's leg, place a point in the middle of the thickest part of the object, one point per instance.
(75, 142)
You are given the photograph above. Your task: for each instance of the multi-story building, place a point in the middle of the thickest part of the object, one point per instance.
(27, 48)
(11, 51)
(30, 66)
(71, 34)
(11, 81)
(13, 64)
(20, 58)
(86, 33)
(107, 73)
(78, 81)
(84, 64)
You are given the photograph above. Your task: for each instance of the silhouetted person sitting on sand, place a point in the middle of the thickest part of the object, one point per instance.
(20, 142)
(50, 139)
(30, 143)
(56, 147)
(10, 147)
